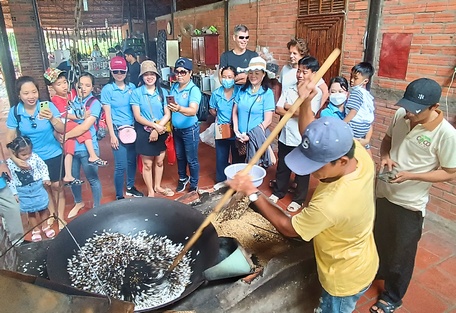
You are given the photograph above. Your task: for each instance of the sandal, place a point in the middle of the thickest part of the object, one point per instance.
(99, 163)
(74, 182)
(36, 236)
(385, 306)
(49, 232)
(167, 192)
(293, 207)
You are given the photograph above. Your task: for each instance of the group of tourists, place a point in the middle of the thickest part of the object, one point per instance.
(364, 226)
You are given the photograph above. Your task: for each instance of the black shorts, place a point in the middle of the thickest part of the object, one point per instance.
(54, 164)
(144, 147)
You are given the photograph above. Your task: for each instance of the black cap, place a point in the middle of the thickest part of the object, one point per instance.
(420, 94)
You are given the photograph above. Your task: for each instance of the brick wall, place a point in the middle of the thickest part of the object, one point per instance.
(433, 47)
(433, 53)
(27, 42)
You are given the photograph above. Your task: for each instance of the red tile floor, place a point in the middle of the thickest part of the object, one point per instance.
(434, 281)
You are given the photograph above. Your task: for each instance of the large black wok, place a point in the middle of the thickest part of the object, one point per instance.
(158, 216)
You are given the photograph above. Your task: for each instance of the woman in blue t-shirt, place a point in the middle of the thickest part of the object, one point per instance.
(115, 98)
(254, 104)
(81, 156)
(151, 115)
(38, 120)
(184, 106)
(221, 106)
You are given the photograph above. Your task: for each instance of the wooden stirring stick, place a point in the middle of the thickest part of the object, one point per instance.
(323, 69)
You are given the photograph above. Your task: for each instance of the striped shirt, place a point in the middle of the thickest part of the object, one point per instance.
(363, 102)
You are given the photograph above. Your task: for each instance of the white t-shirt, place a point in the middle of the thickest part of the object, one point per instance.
(290, 135)
(423, 149)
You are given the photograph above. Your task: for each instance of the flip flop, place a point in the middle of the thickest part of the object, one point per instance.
(49, 232)
(36, 236)
(74, 182)
(167, 192)
(99, 163)
(385, 306)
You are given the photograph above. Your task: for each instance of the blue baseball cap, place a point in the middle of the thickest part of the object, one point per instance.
(185, 63)
(325, 139)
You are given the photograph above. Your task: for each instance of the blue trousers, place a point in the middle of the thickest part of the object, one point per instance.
(124, 162)
(186, 142)
(81, 159)
(333, 304)
(223, 148)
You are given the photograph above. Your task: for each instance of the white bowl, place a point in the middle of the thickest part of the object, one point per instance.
(257, 172)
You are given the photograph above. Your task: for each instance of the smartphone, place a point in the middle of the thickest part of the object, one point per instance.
(44, 105)
(387, 176)
(170, 99)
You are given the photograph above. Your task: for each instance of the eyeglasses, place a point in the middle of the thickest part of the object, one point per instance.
(243, 37)
(32, 121)
(181, 73)
(119, 72)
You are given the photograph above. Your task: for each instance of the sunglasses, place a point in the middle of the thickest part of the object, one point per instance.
(32, 121)
(243, 37)
(181, 73)
(119, 72)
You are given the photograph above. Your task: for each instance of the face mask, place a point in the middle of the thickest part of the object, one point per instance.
(227, 83)
(337, 98)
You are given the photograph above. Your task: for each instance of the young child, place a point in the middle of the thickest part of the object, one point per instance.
(27, 185)
(360, 108)
(56, 78)
(338, 92)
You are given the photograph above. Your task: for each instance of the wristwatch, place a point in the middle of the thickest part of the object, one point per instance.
(2, 162)
(254, 196)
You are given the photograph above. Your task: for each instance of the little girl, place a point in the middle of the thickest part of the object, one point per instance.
(27, 185)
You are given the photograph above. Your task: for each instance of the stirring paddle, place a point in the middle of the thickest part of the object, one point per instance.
(323, 69)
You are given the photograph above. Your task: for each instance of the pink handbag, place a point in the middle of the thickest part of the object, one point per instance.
(127, 134)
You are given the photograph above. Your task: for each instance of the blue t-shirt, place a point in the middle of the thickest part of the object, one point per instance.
(119, 101)
(150, 106)
(333, 111)
(191, 93)
(223, 106)
(95, 111)
(257, 104)
(42, 137)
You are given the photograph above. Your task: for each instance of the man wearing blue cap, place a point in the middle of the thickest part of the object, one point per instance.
(417, 151)
(339, 217)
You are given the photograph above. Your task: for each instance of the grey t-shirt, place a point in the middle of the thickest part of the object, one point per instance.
(242, 61)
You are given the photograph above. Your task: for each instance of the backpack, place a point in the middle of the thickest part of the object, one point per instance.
(100, 126)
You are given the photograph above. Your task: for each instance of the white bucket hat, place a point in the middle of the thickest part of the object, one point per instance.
(257, 63)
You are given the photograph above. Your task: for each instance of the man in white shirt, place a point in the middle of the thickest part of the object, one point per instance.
(417, 151)
(290, 137)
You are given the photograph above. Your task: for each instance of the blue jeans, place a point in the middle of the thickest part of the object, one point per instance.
(186, 142)
(81, 158)
(332, 304)
(223, 147)
(125, 161)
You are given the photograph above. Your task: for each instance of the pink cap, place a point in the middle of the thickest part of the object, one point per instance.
(118, 63)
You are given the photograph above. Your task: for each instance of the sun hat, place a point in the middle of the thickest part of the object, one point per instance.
(148, 66)
(257, 63)
(420, 94)
(52, 74)
(118, 64)
(185, 63)
(325, 139)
